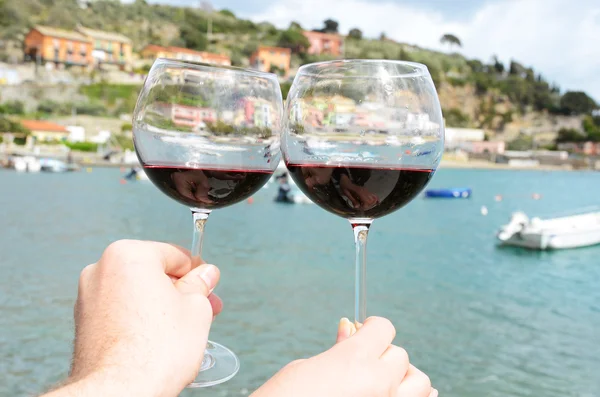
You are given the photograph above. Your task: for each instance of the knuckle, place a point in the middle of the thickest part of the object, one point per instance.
(120, 247)
(402, 355)
(383, 323)
(200, 303)
(424, 380)
(85, 274)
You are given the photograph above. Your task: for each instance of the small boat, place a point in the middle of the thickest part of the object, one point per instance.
(26, 164)
(572, 231)
(53, 165)
(459, 192)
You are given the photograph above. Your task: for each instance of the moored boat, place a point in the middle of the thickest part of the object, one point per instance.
(572, 231)
(460, 192)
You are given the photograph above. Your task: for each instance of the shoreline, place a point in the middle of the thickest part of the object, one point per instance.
(486, 165)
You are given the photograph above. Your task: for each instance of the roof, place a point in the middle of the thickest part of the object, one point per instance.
(203, 54)
(154, 47)
(278, 49)
(61, 33)
(40, 125)
(102, 35)
(330, 36)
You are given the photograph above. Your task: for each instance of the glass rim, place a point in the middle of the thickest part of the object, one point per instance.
(207, 66)
(419, 69)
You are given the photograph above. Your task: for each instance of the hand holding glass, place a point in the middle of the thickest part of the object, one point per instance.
(361, 139)
(208, 137)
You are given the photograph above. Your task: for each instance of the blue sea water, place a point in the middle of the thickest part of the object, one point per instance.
(480, 320)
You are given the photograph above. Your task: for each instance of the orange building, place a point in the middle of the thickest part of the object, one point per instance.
(45, 131)
(83, 47)
(45, 44)
(109, 48)
(325, 43)
(152, 52)
(266, 59)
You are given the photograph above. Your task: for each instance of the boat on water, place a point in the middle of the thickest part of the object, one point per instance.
(573, 231)
(137, 174)
(459, 192)
(25, 164)
(54, 165)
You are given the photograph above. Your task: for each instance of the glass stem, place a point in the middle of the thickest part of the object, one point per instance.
(199, 217)
(360, 227)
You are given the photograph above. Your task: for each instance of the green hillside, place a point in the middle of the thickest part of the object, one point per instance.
(522, 88)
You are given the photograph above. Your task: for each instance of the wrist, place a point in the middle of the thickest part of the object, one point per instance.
(108, 382)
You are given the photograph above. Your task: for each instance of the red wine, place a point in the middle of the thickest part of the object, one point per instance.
(206, 188)
(359, 192)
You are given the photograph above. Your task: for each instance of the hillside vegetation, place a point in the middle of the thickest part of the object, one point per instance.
(474, 93)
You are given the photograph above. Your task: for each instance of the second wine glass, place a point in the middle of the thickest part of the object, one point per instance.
(208, 137)
(361, 139)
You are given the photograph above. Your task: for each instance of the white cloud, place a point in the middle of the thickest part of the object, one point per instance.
(559, 38)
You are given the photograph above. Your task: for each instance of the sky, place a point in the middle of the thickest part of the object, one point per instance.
(558, 38)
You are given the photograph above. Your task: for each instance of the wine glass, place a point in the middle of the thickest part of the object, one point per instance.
(361, 139)
(208, 137)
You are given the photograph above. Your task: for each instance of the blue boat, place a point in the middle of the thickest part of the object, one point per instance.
(459, 192)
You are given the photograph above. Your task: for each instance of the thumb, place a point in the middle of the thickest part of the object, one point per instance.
(201, 280)
(345, 330)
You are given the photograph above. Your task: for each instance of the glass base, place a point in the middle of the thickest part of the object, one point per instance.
(219, 365)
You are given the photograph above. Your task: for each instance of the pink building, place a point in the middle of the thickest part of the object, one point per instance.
(192, 116)
(587, 148)
(486, 147)
(324, 43)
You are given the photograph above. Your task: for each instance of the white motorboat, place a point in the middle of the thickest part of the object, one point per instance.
(554, 233)
(26, 164)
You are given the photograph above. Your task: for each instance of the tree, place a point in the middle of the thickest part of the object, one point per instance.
(382, 36)
(295, 25)
(451, 40)
(476, 66)
(330, 26)
(293, 39)
(355, 33)
(517, 69)
(227, 12)
(193, 38)
(522, 142)
(404, 55)
(577, 102)
(498, 66)
(569, 135)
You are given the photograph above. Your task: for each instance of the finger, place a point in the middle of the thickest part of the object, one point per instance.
(350, 196)
(172, 260)
(434, 393)
(177, 261)
(184, 186)
(374, 337)
(216, 303)
(415, 384)
(202, 280)
(345, 330)
(396, 361)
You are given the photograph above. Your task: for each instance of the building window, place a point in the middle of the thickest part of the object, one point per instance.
(55, 43)
(122, 51)
(56, 54)
(109, 46)
(98, 45)
(83, 50)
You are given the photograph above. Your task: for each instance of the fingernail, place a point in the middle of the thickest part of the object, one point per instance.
(345, 327)
(208, 273)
